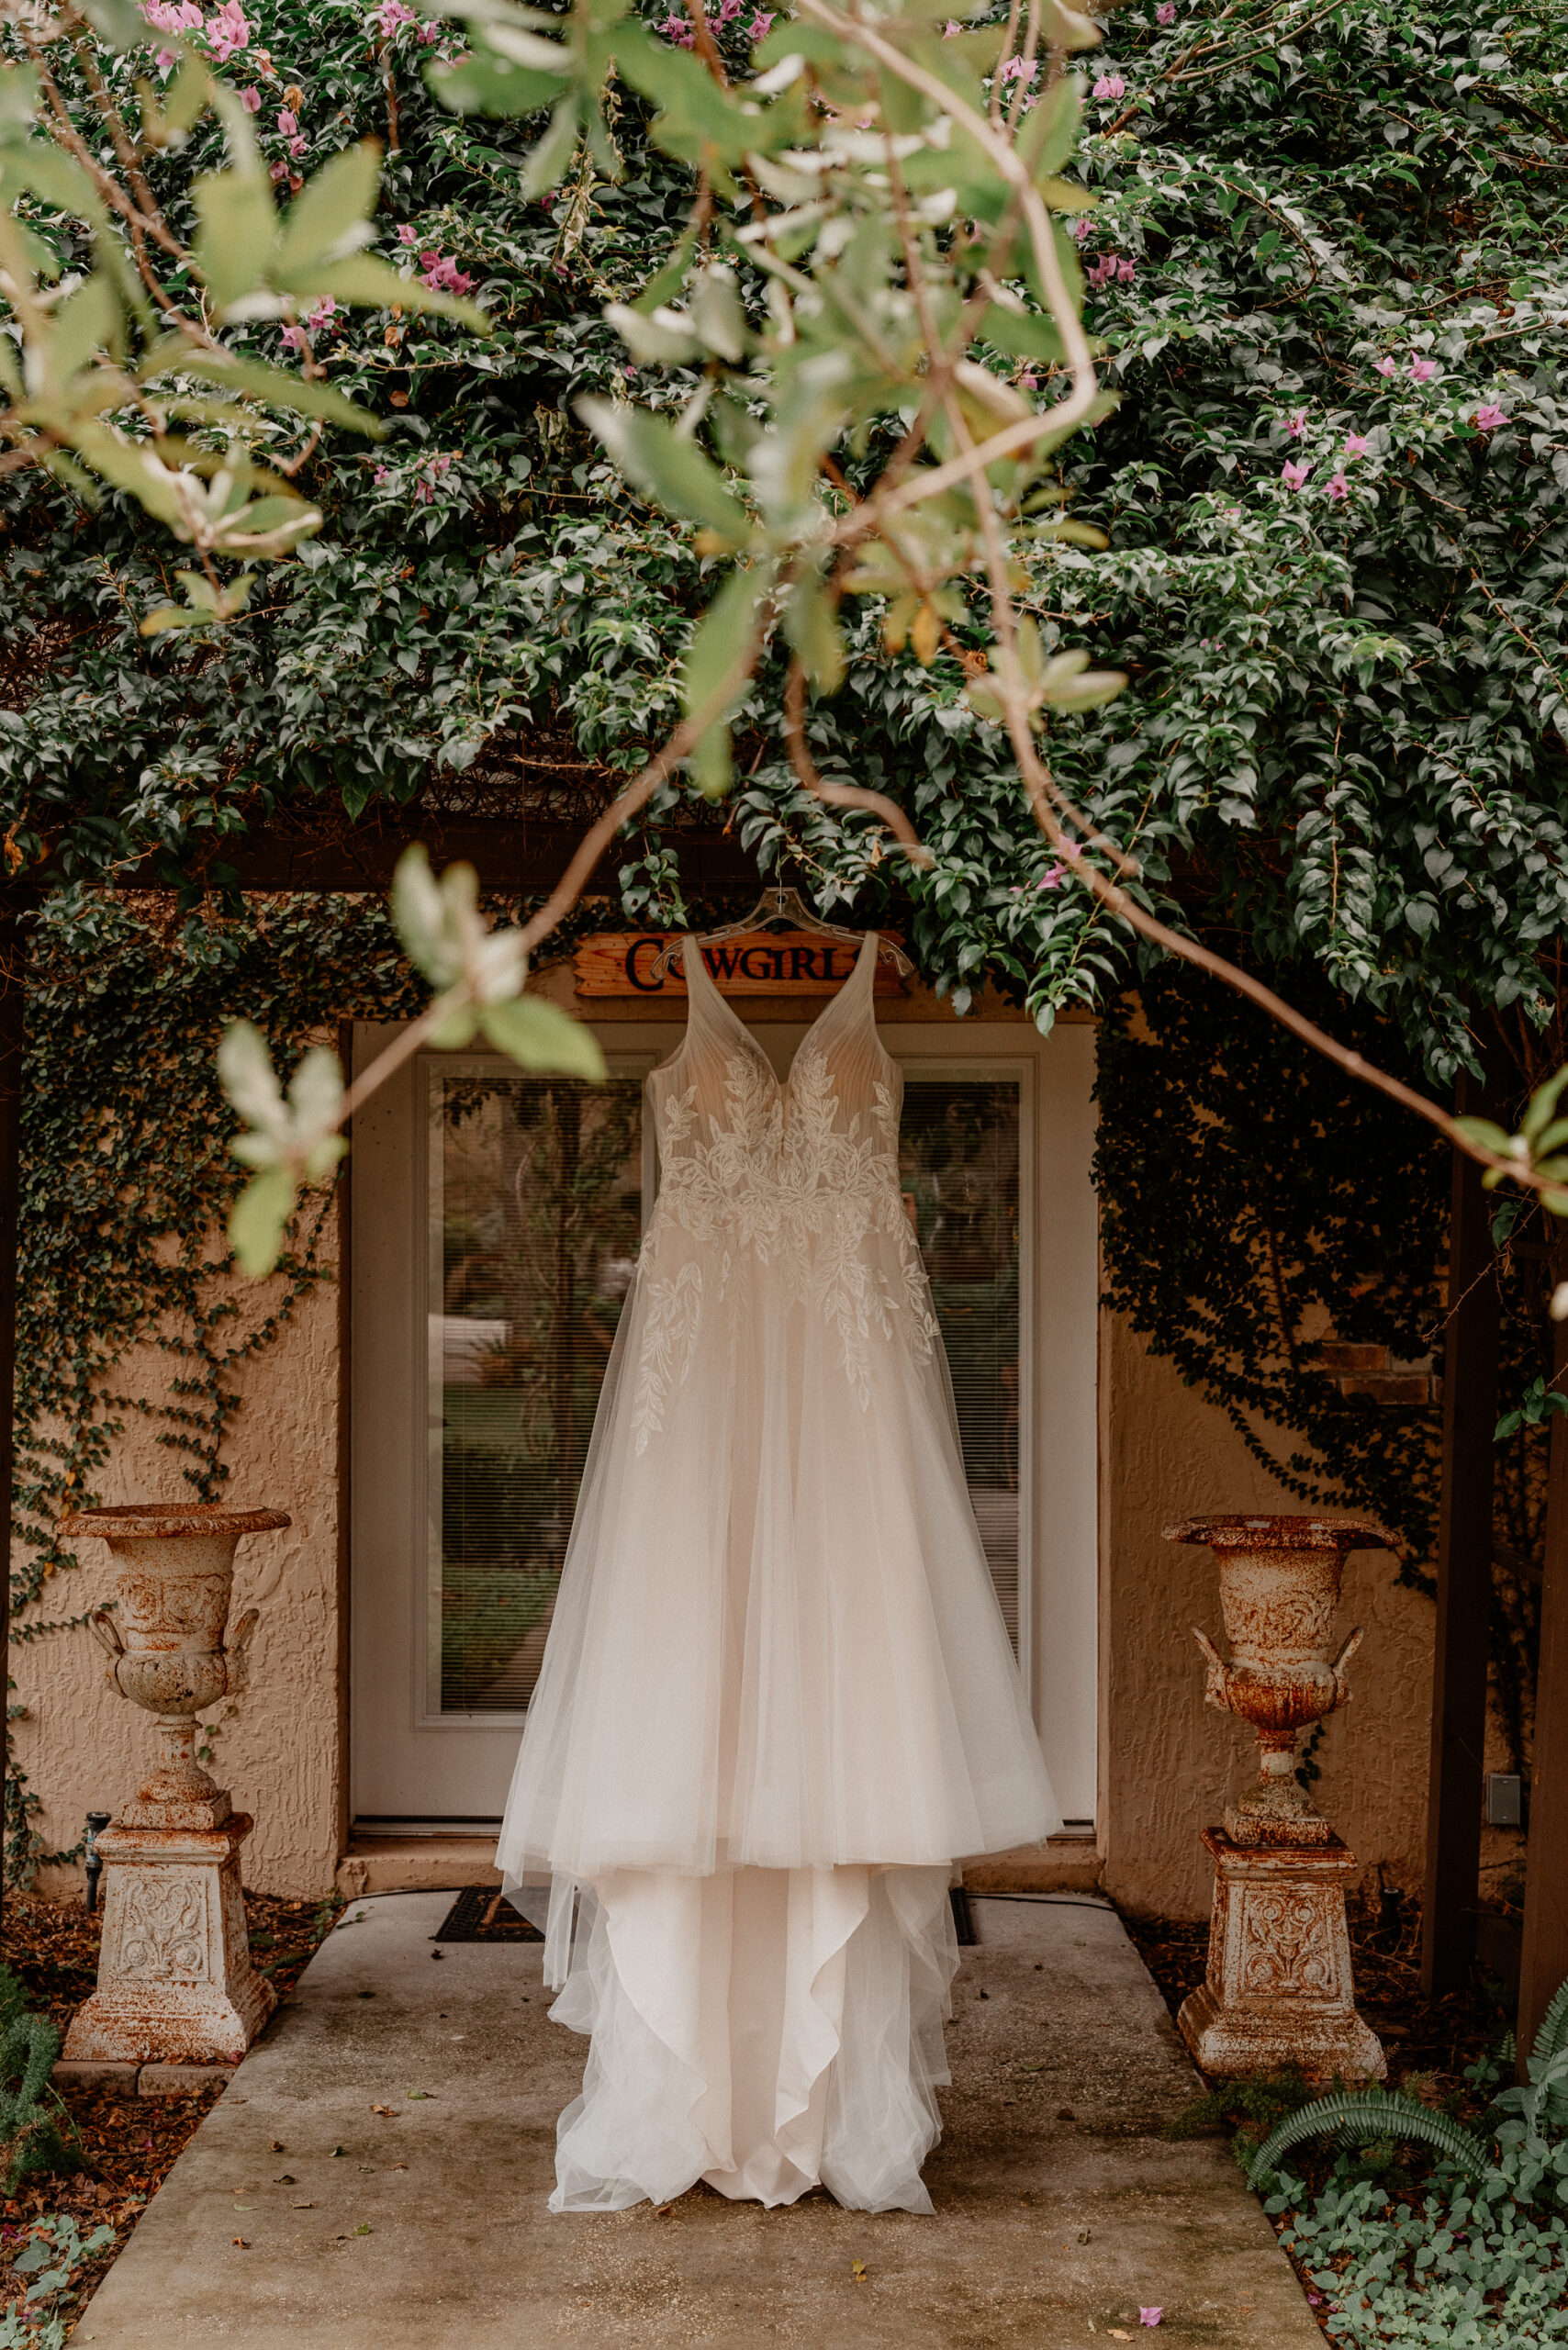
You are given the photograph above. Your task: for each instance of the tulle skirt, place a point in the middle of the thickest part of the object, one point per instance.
(765, 2030)
(776, 1703)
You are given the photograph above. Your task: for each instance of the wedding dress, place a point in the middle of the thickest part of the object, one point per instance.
(778, 1699)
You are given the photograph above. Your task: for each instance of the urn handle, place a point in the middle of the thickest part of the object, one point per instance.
(106, 1631)
(234, 1647)
(1216, 1690)
(1341, 1685)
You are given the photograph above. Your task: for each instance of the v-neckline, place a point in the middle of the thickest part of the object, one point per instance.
(689, 943)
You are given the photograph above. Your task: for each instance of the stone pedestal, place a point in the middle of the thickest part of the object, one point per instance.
(176, 1982)
(1279, 1989)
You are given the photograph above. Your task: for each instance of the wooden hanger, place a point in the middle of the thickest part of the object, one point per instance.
(787, 907)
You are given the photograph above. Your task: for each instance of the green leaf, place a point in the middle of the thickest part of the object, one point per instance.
(1485, 1135)
(1542, 1107)
(814, 632)
(118, 24)
(365, 280)
(651, 454)
(274, 385)
(486, 83)
(1026, 334)
(540, 1035)
(237, 235)
(547, 162)
(719, 651)
(259, 1219)
(330, 217)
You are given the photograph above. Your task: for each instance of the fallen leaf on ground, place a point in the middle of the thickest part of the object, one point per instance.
(340, 2150)
(398, 2165)
(857, 2270)
(390, 2110)
(419, 2093)
(278, 2146)
(298, 2206)
(288, 2179)
(243, 2245)
(363, 2228)
(1119, 2333)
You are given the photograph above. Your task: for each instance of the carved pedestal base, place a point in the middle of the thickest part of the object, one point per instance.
(175, 1983)
(1279, 1989)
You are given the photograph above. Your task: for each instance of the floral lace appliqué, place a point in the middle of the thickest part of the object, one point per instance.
(780, 1177)
(669, 1341)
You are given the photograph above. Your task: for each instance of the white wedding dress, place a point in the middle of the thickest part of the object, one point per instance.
(778, 1699)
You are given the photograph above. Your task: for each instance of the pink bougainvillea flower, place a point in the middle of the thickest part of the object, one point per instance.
(391, 16)
(1355, 444)
(382, 473)
(164, 59)
(440, 271)
(1109, 85)
(1489, 418)
(1387, 367)
(326, 310)
(760, 26)
(679, 29)
(431, 34)
(1294, 474)
(1103, 270)
(288, 121)
(228, 31)
(1297, 424)
(280, 171)
(1127, 271)
(407, 236)
(1081, 231)
(1338, 489)
(251, 99)
(1423, 370)
(951, 29)
(1052, 878)
(294, 338)
(297, 146)
(1029, 383)
(1150, 2317)
(1166, 13)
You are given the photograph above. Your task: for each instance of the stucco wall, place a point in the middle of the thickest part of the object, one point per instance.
(85, 1748)
(1168, 1762)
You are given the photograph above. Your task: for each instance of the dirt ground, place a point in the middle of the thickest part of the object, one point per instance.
(125, 2144)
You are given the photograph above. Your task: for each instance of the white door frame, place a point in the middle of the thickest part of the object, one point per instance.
(405, 1767)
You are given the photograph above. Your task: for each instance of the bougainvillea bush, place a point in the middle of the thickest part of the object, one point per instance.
(1326, 264)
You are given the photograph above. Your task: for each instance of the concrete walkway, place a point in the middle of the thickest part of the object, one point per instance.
(1061, 2212)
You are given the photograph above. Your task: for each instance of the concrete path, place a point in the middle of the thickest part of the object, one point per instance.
(1061, 2212)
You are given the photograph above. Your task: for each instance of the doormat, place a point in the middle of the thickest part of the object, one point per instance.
(480, 1914)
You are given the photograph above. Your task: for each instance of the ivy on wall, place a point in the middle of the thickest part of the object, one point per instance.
(125, 1183)
(1255, 1205)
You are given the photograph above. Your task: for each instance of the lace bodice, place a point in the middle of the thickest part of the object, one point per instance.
(799, 1177)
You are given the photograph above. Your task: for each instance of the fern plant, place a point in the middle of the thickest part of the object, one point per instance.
(1362, 2116)
(36, 2134)
(1481, 2254)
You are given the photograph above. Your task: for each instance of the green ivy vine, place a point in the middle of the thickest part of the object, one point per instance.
(1256, 1203)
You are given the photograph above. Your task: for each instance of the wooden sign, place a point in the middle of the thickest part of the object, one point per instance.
(760, 962)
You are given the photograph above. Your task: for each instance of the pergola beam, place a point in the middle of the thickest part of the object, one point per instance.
(1452, 1893)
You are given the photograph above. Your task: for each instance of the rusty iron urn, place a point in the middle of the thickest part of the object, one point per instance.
(1279, 1988)
(176, 1982)
(1278, 1588)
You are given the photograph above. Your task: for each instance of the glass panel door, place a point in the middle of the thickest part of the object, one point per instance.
(960, 1159)
(535, 1212)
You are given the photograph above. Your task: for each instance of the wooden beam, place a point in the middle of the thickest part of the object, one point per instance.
(1464, 1581)
(1544, 1962)
(512, 856)
(13, 1007)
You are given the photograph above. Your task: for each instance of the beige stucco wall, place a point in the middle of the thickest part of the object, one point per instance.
(1168, 1762)
(85, 1747)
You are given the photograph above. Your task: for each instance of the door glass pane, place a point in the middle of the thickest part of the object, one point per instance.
(536, 1201)
(959, 1155)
